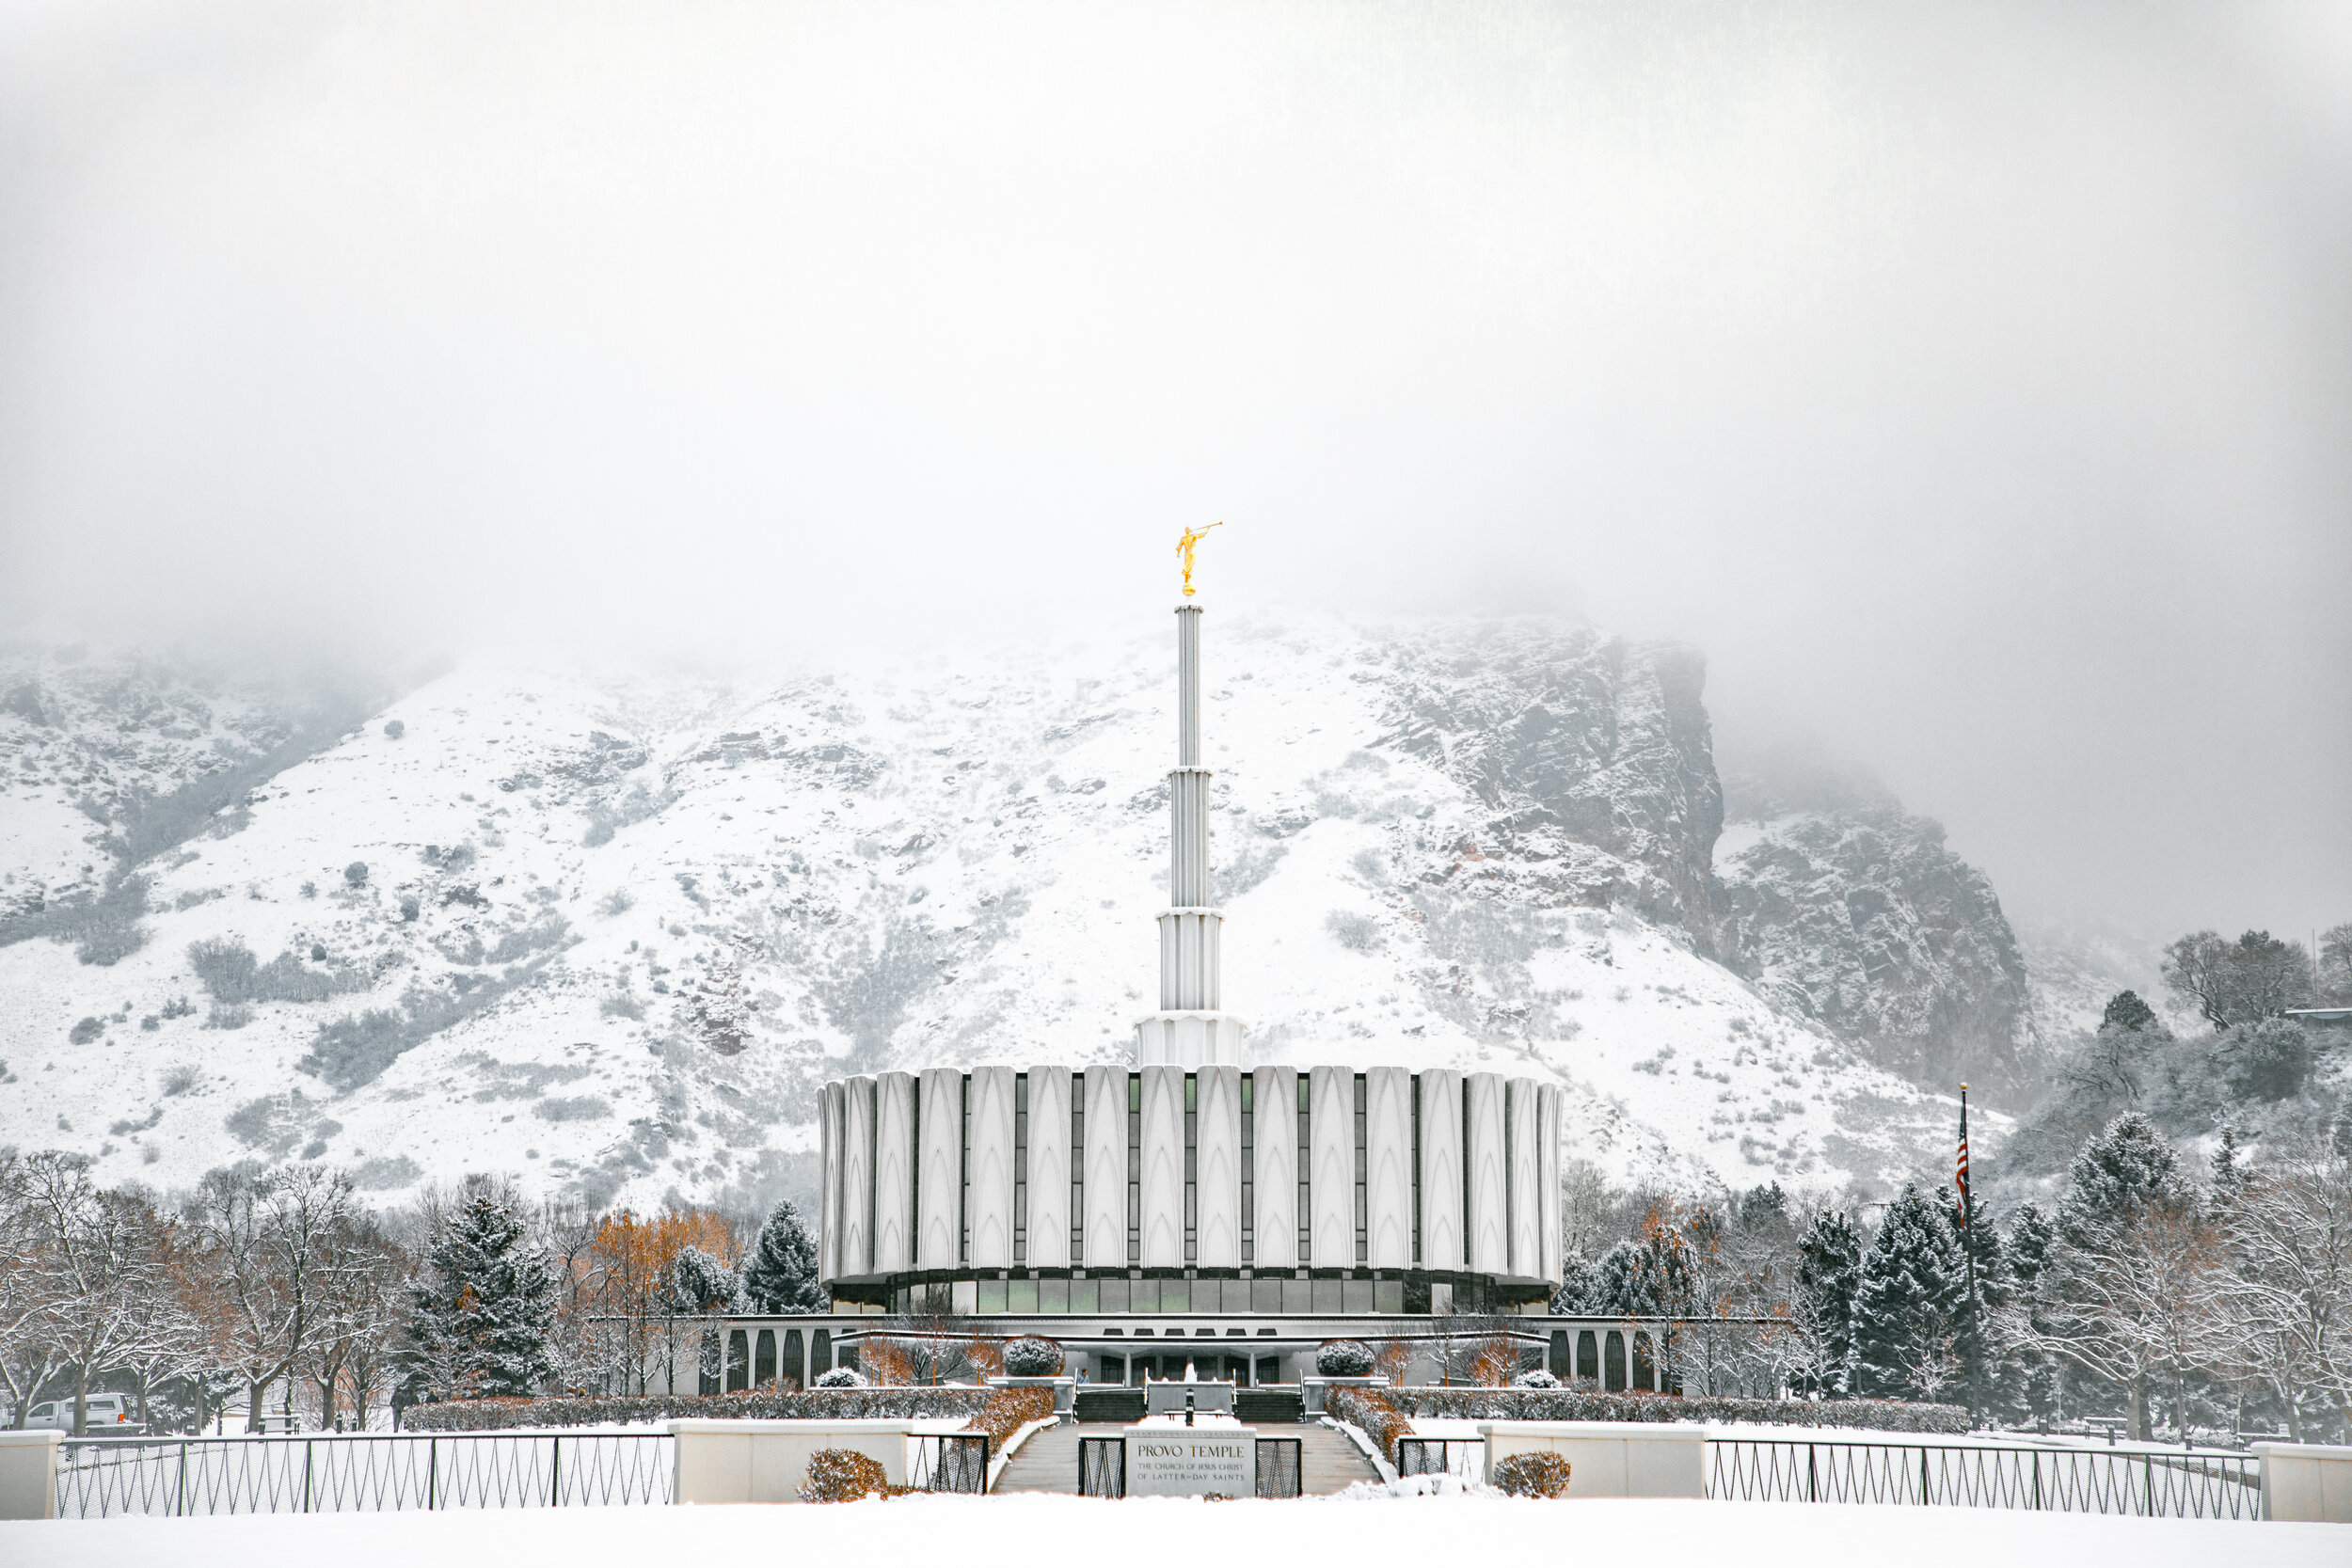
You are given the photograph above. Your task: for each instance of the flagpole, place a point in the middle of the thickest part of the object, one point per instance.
(1967, 1248)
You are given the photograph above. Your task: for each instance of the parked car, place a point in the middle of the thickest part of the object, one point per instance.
(108, 1415)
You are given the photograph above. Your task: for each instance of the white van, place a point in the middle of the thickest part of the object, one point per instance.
(108, 1415)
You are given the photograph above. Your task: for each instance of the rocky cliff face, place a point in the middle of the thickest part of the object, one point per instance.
(1589, 757)
(1853, 912)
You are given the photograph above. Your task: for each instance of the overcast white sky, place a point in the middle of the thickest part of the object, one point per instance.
(1974, 383)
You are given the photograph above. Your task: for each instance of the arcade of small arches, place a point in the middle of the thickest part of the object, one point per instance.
(1614, 1354)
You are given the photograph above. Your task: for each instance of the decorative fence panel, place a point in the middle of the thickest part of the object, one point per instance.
(948, 1462)
(1465, 1457)
(1281, 1466)
(101, 1477)
(2148, 1483)
(1101, 1466)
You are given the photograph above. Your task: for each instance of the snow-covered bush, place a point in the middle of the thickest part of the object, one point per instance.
(1344, 1359)
(1368, 1413)
(1032, 1356)
(1535, 1378)
(1008, 1411)
(1531, 1474)
(840, 1377)
(842, 1475)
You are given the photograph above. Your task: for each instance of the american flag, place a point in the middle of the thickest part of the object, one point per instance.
(1960, 1172)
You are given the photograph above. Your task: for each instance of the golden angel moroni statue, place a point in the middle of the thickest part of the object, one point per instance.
(1185, 546)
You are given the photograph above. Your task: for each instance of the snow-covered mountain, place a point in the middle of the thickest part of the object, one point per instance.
(609, 934)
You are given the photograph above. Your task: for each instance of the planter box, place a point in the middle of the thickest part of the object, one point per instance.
(765, 1462)
(1610, 1459)
(28, 1474)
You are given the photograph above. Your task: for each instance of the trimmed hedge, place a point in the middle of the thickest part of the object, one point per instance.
(898, 1404)
(1008, 1411)
(1574, 1405)
(1531, 1474)
(1368, 1413)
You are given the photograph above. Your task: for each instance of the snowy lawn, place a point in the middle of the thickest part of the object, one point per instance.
(1016, 1531)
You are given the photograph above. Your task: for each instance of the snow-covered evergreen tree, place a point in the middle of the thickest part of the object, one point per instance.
(2027, 1253)
(1907, 1305)
(1580, 1290)
(698, 1284)
(781, 1275)
(2124, 1168)
(479, 1319)
(1992, 1376)
(1829, 1266)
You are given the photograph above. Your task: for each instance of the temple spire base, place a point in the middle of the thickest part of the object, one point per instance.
(1188, 1040)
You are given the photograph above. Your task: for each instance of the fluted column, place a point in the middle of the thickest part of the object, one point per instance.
(1547, 1107)
(1274, 1185)
(1331, 1172)
(1216, 1181)
(894, 1172)
(1442, 1169)
(829, 1103)
(1388, 1175)
(1163, 1186)
(1526, 1168)
(856, 1255)
(1483, 1174)
(1105, 1221)
(939, 1222)
(989, 1162)
(1048, 1225)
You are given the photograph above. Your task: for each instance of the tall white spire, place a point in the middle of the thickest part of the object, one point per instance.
(1191, 1029)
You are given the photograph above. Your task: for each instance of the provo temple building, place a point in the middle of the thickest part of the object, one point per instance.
(1188, 1206)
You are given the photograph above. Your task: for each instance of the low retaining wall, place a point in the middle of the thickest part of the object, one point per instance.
(765, 1462)
(1610, 1459)
(2307, 1481)
(28, 1474)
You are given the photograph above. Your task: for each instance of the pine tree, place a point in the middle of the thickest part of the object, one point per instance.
(2226, 1178)
(1992, 1376)
(2128, 1166)
(780, 1275)
(1829, 1266)
(479, 1321)
(2030, 1238)
(1908, 1305)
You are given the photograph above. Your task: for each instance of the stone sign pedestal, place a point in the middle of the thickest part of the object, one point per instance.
(1214, 1457)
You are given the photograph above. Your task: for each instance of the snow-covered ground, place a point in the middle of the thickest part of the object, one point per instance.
(1022, 1530)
